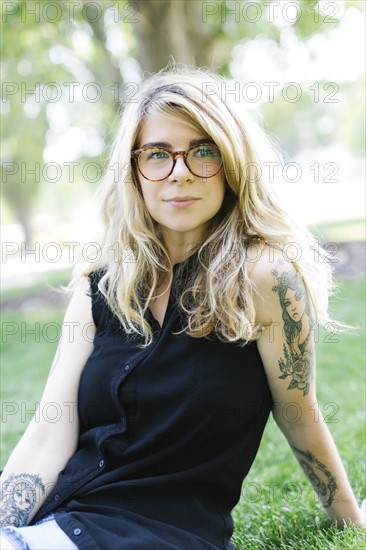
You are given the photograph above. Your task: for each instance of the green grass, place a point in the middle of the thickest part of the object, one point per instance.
(28, 344)
(340, 231)
(278, 508)
(26, 358)
(45, 281)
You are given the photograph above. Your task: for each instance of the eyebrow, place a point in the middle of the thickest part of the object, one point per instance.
(167, 145)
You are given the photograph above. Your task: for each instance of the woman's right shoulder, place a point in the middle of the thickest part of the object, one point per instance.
(81, 298)
(88, 287)
(92, 279)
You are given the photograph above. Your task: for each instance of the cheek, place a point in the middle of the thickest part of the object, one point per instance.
(148, 195)
(302, 305)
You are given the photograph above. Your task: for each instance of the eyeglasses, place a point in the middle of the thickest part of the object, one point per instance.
(157, 163)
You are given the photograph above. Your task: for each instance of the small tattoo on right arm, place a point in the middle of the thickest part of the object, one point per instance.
(19, 496)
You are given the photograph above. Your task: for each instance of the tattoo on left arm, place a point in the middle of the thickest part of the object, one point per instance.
(19, 496)
(298, 360)
(323, 482)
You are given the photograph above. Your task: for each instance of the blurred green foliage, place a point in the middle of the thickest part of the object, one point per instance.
(56, 61)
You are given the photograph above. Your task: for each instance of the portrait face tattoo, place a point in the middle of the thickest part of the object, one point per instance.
(23, 495)
(295, 304)
(298, 360)
(19, 496)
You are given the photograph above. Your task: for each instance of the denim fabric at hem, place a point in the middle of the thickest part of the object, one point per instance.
(39, 535)
(13, 536)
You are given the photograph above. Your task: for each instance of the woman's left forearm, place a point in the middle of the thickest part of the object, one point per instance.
(318, 456)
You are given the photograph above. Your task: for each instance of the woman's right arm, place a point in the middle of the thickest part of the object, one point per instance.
(45, 447)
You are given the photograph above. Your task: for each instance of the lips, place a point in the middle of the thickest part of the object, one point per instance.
(177, 199)
(181, 202)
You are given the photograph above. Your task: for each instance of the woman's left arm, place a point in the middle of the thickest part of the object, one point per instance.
(287, 350)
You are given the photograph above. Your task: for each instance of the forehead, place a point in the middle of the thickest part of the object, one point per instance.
(292, 293)
(172, 128)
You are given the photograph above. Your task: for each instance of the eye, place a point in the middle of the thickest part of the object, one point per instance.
(157, 154)
(287, 303)
(206, 151)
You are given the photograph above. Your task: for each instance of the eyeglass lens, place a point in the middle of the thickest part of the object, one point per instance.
(203, 161)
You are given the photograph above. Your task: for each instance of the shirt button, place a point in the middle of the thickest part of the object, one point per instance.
(101, 464)
(57, 496)
(127, 367)
(77, 531)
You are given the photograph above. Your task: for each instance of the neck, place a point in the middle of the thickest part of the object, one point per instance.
(179, 245)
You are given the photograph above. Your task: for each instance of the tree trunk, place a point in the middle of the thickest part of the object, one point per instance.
(169, 29)
(24, 216)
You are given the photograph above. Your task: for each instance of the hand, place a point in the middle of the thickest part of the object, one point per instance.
(363, 512)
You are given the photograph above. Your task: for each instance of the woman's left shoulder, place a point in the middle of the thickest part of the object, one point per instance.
(266, 265)
(263, 260)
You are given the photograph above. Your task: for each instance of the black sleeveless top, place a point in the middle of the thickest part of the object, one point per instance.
(167, 435)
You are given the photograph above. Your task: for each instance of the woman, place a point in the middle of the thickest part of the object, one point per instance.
(180, 325)
(297, 330)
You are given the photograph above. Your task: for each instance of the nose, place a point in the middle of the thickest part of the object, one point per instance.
(180, 171)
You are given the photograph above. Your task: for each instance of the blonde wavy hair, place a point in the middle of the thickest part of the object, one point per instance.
(219, 292)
